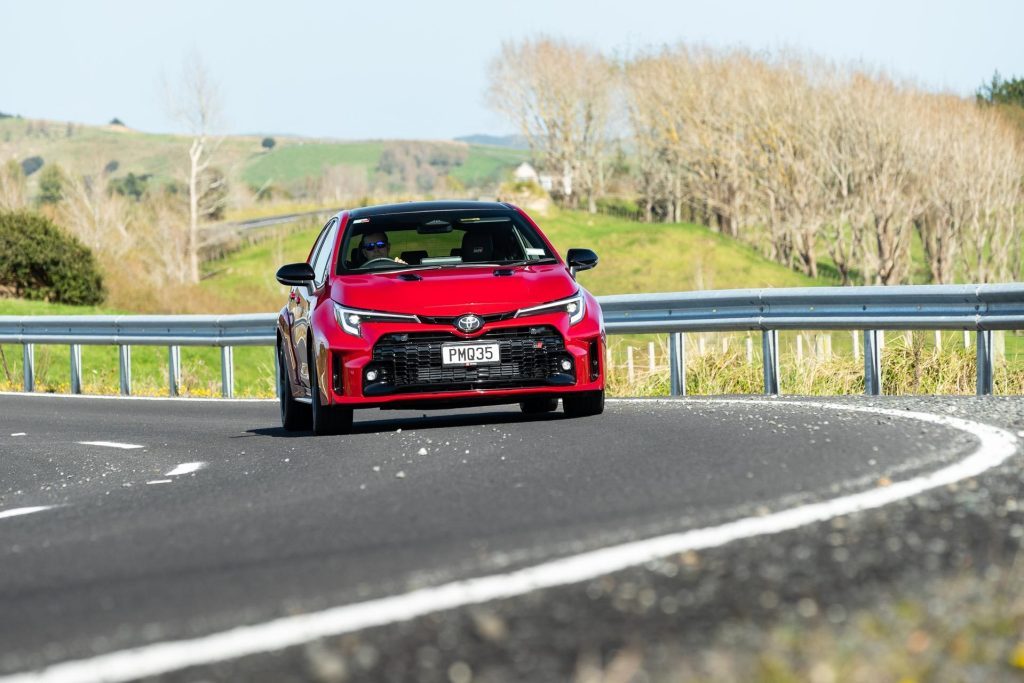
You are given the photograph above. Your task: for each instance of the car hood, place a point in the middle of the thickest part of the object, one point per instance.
(454, 291)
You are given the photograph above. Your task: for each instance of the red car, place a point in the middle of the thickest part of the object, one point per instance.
(433, 305)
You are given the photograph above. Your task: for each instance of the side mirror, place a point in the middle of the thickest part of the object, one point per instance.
(580, 259)
(295, 274)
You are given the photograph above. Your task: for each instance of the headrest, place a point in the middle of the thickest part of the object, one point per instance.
(477, 246)
(413, 258)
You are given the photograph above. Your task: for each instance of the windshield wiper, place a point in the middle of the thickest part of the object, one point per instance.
(520, 262)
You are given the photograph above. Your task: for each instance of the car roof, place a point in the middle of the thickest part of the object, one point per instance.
(421, 207)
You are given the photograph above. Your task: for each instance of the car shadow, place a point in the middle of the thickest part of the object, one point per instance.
(424, 421)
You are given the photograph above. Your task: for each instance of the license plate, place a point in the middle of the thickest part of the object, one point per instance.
(469, 354)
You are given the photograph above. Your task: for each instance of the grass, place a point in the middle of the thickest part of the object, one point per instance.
(909, 366)
(291, 161)
(486, 165)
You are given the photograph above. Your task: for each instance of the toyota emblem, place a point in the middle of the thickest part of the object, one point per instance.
(468, 323)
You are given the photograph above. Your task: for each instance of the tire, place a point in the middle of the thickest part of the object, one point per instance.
(584, 404)
(536, 406)
(294, 415)
(326, 419)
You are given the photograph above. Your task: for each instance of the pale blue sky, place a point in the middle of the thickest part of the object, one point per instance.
(418, 69)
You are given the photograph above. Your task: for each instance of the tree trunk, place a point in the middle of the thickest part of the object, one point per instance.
(192, 243)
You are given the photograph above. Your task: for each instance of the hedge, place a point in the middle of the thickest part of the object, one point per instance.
(39, 261)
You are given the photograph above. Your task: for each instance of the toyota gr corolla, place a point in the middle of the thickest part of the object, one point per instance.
(436, 304)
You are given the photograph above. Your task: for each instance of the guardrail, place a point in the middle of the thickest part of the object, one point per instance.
(976, 308)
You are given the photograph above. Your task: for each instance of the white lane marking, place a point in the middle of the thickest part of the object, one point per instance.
(197, 399)
(997, 445)
(18, 512)
(186, 468)
(18, 434)
(158, 481)
(112, 444)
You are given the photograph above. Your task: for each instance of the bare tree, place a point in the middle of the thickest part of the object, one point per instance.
(557, 94)
(195, 103)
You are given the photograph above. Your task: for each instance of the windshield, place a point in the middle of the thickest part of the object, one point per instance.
(440, 239)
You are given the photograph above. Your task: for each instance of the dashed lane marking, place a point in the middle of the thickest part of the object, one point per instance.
(186, 468)
(112, 444)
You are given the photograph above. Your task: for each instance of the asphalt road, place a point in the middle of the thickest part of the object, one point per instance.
(222, 519)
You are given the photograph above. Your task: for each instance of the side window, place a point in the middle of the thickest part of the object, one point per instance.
(322, 259)
(315, 251)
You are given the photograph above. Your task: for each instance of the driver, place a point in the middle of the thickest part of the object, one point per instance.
(375, 245)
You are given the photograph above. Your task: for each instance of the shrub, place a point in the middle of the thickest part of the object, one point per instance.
(31, 165)
(116, 122)
(131, 186)
(39, 261)
(268, 143)
(51, 186)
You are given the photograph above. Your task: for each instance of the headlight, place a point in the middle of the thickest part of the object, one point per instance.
(575, 306)
(351, 319)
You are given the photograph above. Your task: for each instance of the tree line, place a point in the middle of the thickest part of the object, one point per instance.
(797, 156)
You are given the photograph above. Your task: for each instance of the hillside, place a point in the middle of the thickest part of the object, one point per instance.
(291, 164)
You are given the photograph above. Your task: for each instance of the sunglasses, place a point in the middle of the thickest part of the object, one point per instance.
(370, 246)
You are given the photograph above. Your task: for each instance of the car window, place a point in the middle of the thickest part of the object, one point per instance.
(322, 258)
(315, 251)
(441, 239)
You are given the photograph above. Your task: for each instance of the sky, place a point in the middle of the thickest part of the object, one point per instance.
(397, 69)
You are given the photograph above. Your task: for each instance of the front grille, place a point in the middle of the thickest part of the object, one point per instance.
(450, 320)
(529, 356)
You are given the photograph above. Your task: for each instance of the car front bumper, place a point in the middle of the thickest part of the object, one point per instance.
(409, 371)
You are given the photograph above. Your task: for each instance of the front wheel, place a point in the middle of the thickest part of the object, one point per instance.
(294, 415)
(584, 404)
(326, 419)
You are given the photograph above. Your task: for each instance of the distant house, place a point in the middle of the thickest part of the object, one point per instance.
(525, 173)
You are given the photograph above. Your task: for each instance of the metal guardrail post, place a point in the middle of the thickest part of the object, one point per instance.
(677, 363)
(770, 360)
(872, 363)
(227, 372)
(124, 368)
(173, 370)
(984, 356)
(76, 368)
(28, 367)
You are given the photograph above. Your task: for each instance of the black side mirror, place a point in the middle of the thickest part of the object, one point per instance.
(295, 274)
(580, 259)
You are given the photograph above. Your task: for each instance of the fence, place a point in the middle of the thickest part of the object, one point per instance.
(974, 308)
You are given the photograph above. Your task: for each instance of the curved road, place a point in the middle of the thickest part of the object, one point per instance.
(126, 522)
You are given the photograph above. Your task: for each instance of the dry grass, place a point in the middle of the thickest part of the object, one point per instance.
(909, 366)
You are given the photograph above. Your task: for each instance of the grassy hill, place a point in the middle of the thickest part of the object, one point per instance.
(84, 149)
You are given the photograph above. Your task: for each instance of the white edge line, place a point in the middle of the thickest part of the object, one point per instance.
(197, 399)
(997, 445)
(17, 512)
(112, 444)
